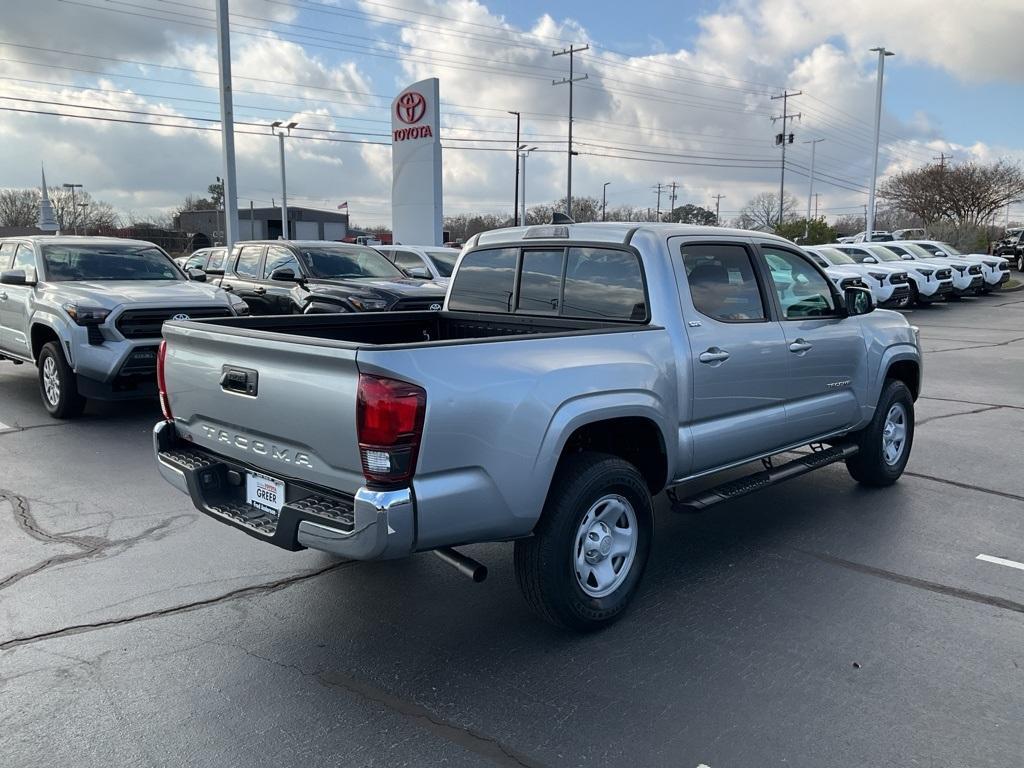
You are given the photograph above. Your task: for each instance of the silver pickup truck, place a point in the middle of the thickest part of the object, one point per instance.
(574, 372)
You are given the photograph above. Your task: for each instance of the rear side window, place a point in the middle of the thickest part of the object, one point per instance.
(485, 281)
(723, 285)
(7, 254)
(249, 261)
(604, 284)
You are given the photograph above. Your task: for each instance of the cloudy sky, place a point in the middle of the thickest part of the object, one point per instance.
(677, 92)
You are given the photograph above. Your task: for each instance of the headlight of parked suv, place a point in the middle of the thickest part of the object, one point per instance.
(368, 303)
(961, 268)
(84, 315)
(238, 305)
(879, 276)
(926, 272)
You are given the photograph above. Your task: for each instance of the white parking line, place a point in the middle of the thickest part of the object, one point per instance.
(1002, 561)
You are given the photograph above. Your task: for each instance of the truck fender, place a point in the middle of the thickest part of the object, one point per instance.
(589, 409)
(901, 352)
(58, 328)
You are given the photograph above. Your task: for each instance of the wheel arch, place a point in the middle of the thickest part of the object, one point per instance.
(42, 333)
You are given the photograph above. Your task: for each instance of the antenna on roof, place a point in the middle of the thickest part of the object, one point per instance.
(558, 217)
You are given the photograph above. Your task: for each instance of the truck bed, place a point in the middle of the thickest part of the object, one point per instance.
(409, 328)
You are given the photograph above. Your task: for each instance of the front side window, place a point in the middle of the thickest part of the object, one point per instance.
(802, 290)
(405, 260)
(723, 284)
(444, 260)
(485, 282)
(217, 259)
(248, 264)
(540, 282)
(7, 254)
(348, 262)
(24, 258)
(604, 284)
(114, 261)
(280, 258)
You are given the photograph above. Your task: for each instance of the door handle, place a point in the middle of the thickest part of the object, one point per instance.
(227, 287)
(800, 346)
(713, 355)
(259, 291)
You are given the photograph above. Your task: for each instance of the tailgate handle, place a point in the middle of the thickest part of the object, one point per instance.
(242, 381)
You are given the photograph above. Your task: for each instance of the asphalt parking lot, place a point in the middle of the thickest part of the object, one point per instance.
(815, 624)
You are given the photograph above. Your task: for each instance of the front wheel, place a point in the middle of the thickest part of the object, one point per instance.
(884, 444)
(584, 562)
(57, 383)
(1020, 263)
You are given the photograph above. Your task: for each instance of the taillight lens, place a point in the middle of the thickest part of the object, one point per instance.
(389, 423)
(161, 383)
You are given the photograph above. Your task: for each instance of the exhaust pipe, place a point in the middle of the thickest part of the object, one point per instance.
(464, 564)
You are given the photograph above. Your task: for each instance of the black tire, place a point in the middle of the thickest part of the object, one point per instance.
(62, 401)
(545, 564)
(869, 466)
(1020, 262)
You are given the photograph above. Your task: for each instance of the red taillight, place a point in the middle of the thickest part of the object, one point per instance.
(161, 384)
(389, 423)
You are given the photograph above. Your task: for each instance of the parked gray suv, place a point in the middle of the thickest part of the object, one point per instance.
(88, 312)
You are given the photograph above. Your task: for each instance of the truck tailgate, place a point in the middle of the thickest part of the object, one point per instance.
(283, 406)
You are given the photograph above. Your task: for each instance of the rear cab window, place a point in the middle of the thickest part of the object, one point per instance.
(572, 281)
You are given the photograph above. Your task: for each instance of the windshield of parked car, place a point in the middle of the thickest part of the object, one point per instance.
(112, 261)
(834, 256)
(348, 262)
(444, 260)
(882, 253)
(950, 250)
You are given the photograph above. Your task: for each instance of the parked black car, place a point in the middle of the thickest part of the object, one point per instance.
(285, 277)
(1011, 248)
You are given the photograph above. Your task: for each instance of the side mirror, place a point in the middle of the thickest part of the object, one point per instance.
(16, 277)
(420, 273)
(941, 253)
(859, 301)
(285, 275)
(870, 260)
(196, 275)
(907, 257)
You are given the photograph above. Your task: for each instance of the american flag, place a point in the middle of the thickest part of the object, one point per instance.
(343, 206)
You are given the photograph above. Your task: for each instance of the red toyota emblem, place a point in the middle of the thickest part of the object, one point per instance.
(410, 107)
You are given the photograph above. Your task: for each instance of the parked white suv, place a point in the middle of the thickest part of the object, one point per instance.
(995, 269)
(927, 283)
(967, 273)
(890, 285)
(428, 262)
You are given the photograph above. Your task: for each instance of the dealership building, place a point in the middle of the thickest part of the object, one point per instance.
(206, 228)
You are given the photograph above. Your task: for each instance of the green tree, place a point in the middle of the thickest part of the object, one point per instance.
(691, 214)
(818, 232)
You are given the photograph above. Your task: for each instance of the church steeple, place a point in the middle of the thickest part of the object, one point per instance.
(47, 220)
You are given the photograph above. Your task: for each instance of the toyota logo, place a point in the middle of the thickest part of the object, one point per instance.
(435, 307)
(181, 316)
(410, 107)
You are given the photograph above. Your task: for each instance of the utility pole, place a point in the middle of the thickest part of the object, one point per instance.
(515, 205)
(227, 124)
(810, 189)
(782, 139)
(74, 208)
(672, 197)
(657, 215)
(604, 200)
(572, 49)
(275, 127)
(942, 158)
(525, 154)
(718, 206)
(870, 216)
(816, 196)
(220, 210)
(252, 222)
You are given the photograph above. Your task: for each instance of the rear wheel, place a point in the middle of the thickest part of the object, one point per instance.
(1020, 262)
(884, 444)
(585, 560)
(57, 383)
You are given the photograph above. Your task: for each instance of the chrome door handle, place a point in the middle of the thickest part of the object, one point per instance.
(259, 291)
(713, 355)
(800, 346)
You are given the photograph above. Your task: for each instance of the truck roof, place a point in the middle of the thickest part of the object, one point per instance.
(613, 232)
(78, 240)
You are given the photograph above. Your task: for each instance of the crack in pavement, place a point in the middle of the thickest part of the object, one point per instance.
(14, 429)
(970, 402)
(967, 486)
(913, 581)
(468, 738)
(975, 346)
(88, 546)
(235, 594)
(920, 422)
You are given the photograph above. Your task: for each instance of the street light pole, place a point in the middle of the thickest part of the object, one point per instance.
(525, 154)
(869, 225)
(74, 208)
(276, 126)
(515, 205)
(810, 189)
(604, 199)
(227, 124)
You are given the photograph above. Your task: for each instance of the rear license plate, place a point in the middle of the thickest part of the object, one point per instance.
(264, 492)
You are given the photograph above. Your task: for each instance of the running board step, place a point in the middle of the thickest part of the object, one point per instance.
(760, 480)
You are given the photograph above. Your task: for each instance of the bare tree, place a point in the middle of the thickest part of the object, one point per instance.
(968, 195)
(762, 212)
(19, 207)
